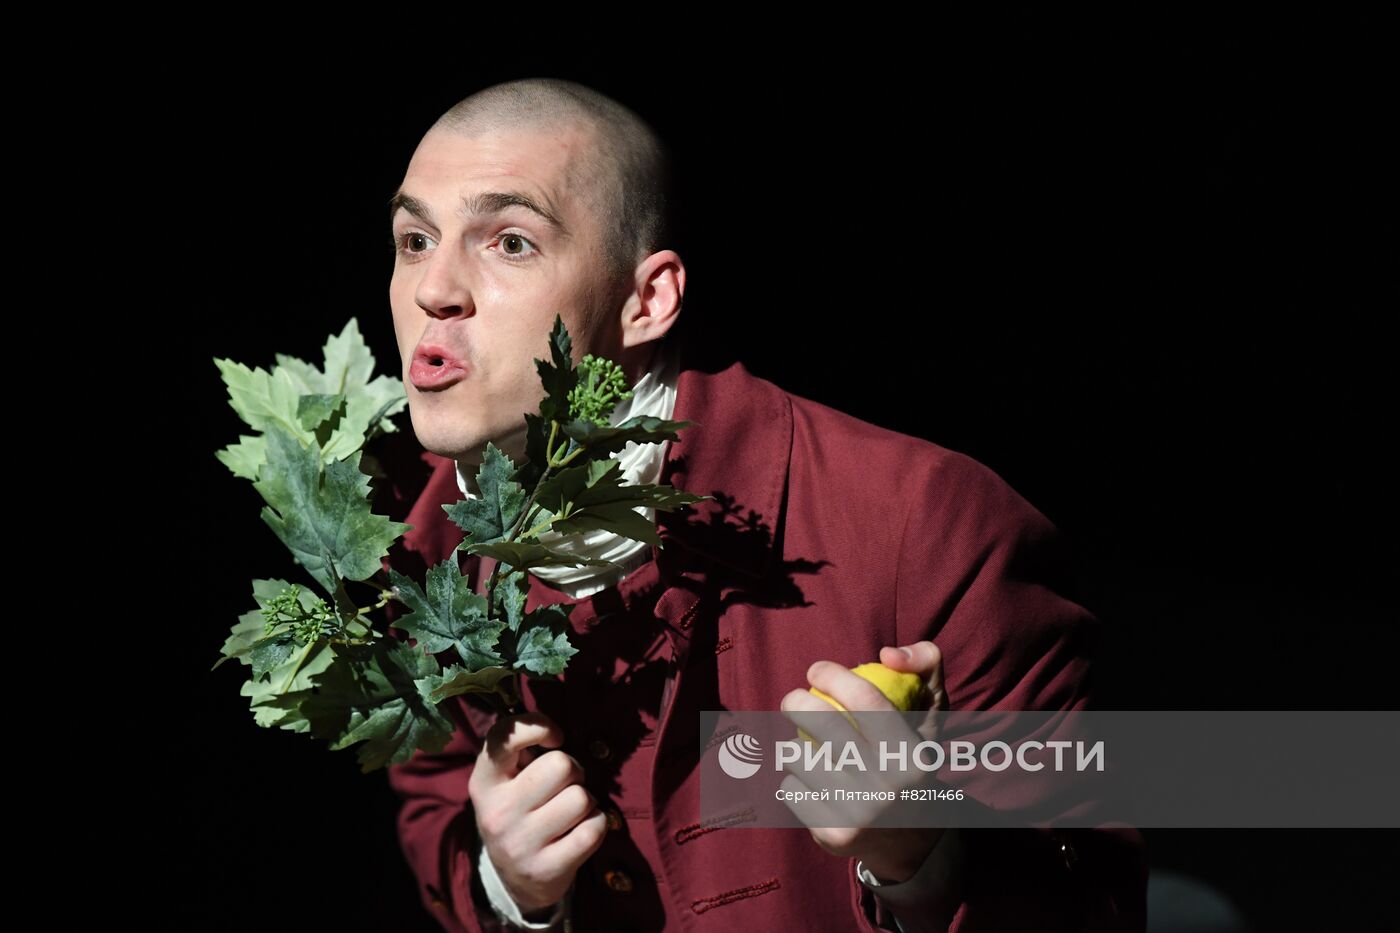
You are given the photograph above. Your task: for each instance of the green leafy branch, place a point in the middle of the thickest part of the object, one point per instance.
(318, 665)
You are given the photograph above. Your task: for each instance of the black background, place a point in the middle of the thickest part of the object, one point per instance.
(1139, 269)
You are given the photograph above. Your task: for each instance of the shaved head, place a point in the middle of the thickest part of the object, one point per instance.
(527, 203)
(623, 175)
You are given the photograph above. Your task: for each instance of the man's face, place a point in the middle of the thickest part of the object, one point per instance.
(481, 277)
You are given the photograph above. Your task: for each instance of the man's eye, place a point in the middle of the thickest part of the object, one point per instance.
(408, 242)
(512, 245)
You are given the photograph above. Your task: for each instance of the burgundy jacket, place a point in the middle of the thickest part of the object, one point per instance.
(829, 537)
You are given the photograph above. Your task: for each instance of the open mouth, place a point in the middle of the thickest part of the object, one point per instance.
(433, 369)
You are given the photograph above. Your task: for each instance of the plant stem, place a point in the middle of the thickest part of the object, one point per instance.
(525, 513)
(567, 460)
(538, 528)
(383, 601)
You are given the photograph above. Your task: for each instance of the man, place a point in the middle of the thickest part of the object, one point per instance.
(829, 542)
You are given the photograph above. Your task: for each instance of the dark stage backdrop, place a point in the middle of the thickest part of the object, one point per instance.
(1139, 272)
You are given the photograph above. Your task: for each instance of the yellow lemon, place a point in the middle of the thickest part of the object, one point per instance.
(905, 691)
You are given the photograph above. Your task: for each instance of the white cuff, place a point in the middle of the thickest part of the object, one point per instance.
(505, 906)
(928, 899)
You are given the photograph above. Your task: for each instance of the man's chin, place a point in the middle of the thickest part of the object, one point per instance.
(451, 442)
(447, 440)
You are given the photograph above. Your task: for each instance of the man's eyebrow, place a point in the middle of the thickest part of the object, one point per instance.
(481, 203)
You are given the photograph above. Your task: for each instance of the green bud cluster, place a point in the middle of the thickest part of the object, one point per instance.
(286, 607)
(601, 385)
(285, 603)
(320, 622)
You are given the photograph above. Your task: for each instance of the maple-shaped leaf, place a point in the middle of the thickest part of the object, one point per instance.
(536, 641)
(536, 442)
(321, 414)
(378, 695)
(511, 592)
(245, 457)
(557, 374)
(603, 440)
(346, 408)
(595, 496)
(263, 695)
(349, 370)
(273, 652)
(456, 680)
(542, 646)
(522, 555)
(448, 615)
(489, 516)
(322, 512)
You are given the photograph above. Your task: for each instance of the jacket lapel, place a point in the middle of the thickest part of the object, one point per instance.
(737, 450)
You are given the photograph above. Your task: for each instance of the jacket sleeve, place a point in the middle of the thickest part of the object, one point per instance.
(922, 903)
(986, 577)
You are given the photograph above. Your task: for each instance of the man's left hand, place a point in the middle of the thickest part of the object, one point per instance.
(892, 854)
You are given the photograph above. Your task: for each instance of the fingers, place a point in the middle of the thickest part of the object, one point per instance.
(927, 660)
(546, 776)
(533, 812)
(924, 659)
(562, 812)
(837, 681)
(509, 737)
(820, 719)
(565, 855)
(570, 826)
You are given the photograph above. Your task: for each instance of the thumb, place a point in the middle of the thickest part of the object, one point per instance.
(923, 659)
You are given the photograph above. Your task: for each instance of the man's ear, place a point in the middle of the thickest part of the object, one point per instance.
(654, 306)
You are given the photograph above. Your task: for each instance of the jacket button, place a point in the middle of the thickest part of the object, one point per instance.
(599, 749)
(618, 880)
(614, 820)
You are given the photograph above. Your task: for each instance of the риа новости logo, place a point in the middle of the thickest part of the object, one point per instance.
(740, 755)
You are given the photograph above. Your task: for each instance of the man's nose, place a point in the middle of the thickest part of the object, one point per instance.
(445, 288)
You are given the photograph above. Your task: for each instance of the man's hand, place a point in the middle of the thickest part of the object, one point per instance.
(536, 820)
(892, 854)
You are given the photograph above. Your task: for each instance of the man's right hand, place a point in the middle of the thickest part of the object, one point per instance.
(536, 819)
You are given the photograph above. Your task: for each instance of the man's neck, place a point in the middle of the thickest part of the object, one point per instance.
(637, 361)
